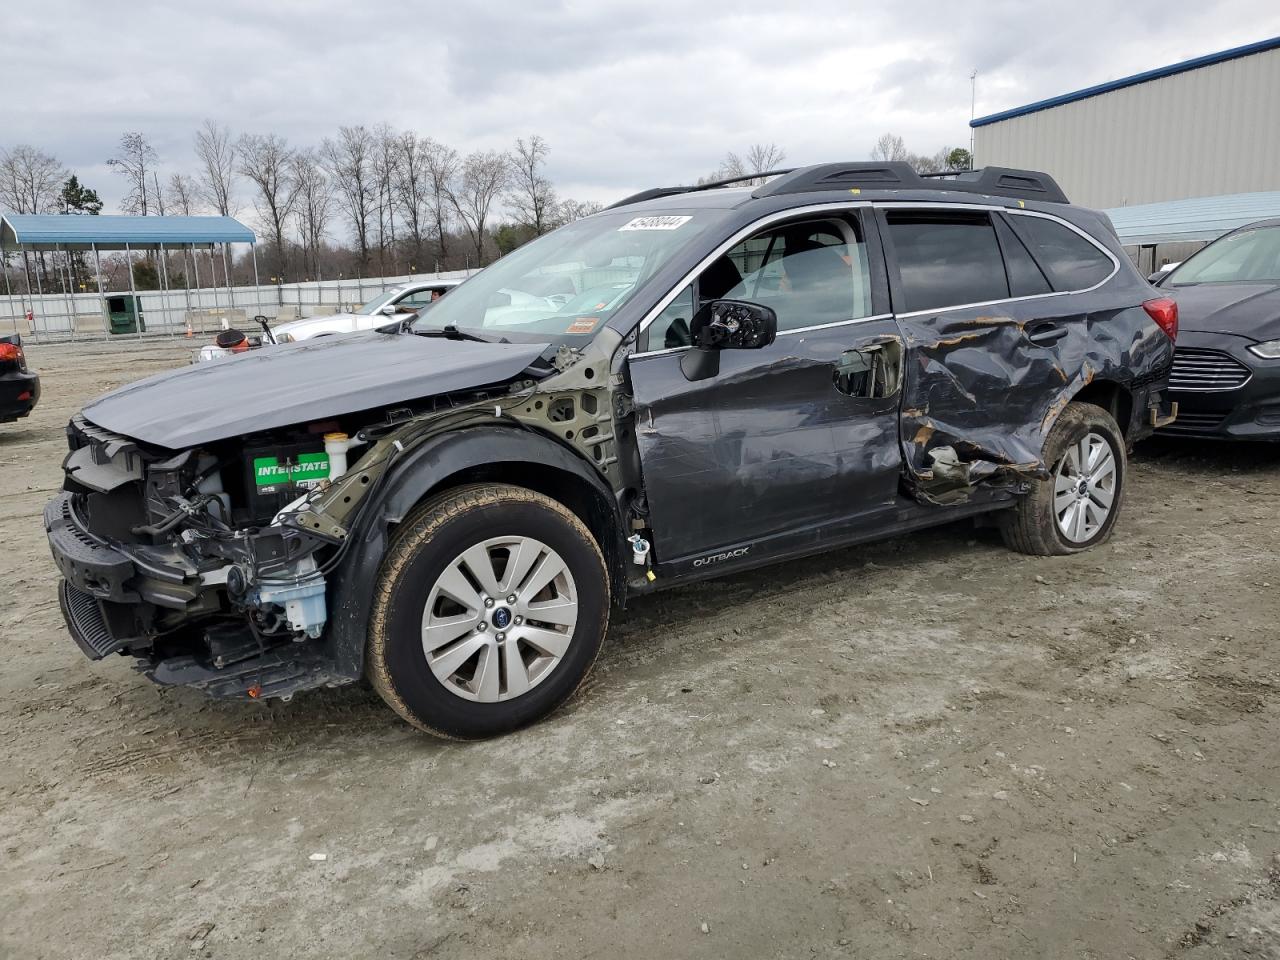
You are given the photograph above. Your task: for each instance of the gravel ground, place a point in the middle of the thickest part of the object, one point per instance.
(930, 747)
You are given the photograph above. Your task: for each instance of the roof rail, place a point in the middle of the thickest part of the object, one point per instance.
(899, 175)
(889, 175)
(881, 175)
(709, 185)
(1003, 182)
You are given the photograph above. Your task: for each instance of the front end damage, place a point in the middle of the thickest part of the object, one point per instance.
(214, 567)
(183, 562)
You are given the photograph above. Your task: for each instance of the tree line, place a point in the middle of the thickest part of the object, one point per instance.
(366, 201)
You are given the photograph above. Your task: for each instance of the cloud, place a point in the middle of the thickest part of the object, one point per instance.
(627, 95)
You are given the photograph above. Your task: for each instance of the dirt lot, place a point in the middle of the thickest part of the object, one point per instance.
(931, 747)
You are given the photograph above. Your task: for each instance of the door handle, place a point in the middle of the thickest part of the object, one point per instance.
(1047, 334)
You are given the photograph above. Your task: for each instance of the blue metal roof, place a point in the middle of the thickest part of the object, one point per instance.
(112, 232)
(1169, 71)
(1200, 218)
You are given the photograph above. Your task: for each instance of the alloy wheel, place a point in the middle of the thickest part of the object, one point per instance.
(1084, 488)
(499, 618)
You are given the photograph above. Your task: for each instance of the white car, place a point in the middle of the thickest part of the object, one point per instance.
(399, 301)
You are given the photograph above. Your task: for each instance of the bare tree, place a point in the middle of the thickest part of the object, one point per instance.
(30, 180)
(759, 158)
(412, 183)
(568, 211)
(217, 155)
(890, 146)
(313, 207)
(134, 163)
(184, 193)
(482, 176)
(934, 164)
(442, 167)
(763, 157)
(268, 163)
(532, 197)
(159, 199)
(385, 153)
(349, 161)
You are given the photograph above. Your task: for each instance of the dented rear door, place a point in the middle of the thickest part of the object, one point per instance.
(993, 353)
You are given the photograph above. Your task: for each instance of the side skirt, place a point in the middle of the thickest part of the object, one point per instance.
(737, 557)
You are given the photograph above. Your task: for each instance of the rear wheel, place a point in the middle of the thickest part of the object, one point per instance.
(491, 607)
(1076, 508)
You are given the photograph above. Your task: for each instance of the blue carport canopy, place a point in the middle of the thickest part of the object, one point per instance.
(26, 231)
(1199, 218)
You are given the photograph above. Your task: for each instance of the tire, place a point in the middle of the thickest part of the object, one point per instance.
(415, 607)
(1034, 526)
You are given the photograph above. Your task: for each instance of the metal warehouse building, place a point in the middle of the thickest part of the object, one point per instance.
(1201, 128)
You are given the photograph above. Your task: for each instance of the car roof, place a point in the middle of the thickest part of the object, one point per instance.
(1258, 224)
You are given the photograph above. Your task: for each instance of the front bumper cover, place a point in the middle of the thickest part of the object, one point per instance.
(1249, 412)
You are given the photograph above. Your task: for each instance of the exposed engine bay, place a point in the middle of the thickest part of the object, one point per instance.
(213, 565)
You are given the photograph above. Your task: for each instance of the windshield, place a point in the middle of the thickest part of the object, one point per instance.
(374, 305)
(565, 286)
(1252, 256)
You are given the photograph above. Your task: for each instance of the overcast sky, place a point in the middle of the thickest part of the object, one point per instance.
(628, 95)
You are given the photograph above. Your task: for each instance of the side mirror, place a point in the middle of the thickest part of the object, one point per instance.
(726, 325)
(388, 311)
(1156, 277)
(733, 325)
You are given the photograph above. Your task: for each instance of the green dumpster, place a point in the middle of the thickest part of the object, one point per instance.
(124, 311)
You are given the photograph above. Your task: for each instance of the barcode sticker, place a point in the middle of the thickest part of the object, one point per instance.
(655, 223)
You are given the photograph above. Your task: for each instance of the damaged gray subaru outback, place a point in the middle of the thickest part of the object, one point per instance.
(695, 381)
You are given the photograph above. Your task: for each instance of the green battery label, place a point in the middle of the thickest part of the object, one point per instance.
(270, 475)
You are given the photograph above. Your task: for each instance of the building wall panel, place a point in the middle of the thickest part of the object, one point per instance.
(1208, 131)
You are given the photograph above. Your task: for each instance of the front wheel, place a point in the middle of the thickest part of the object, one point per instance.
(491, 607)
(1076, 508)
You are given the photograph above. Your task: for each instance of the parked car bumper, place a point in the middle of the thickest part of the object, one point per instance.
(1249, 410)
(19, 393)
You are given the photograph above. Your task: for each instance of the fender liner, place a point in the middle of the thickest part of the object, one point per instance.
(425, 469)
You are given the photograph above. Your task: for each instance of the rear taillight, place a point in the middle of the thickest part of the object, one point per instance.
(1165, 313)
(10, 352)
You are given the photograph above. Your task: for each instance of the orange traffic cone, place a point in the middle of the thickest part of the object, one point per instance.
(190, 332)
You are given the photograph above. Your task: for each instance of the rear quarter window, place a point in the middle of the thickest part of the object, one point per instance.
(1071, 261)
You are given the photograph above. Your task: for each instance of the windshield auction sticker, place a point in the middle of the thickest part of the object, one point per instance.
(655, 223)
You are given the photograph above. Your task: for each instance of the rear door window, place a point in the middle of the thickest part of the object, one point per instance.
(1072, 262)
(946, 259)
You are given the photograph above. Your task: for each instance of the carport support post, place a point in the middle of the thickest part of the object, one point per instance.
(226, 276)
(97, 266)
(8, 289)
(257, 290)
(164, 279)
(195, 278)
(186, 289)
(40, 294)
(26, 272)
(213, 281)
(128, 256)
(68, 304)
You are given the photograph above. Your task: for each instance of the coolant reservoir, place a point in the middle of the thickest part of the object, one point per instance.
(336, 446)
